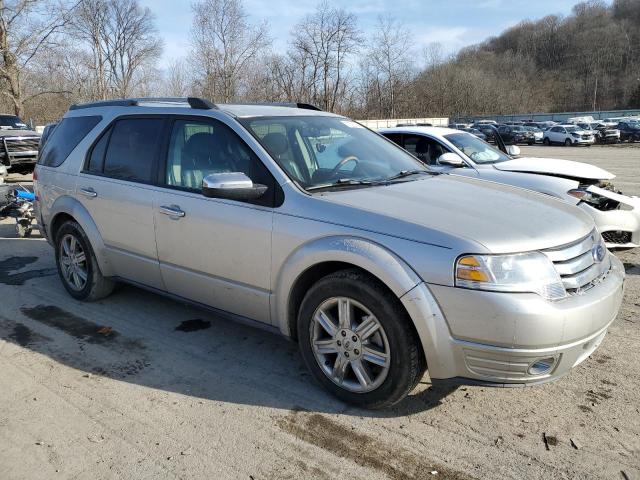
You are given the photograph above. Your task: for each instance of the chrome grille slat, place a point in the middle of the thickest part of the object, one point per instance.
(568, 252)
(20, 144)
(575, 263)
(573, 282)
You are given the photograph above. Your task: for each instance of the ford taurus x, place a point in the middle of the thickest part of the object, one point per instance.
(313, 226)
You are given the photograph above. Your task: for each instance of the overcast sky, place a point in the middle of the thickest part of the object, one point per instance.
(453, 23)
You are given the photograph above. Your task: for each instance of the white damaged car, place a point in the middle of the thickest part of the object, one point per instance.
(616, 215)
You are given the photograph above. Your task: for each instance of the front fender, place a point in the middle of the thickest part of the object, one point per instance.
(362, 253)
(68, 205)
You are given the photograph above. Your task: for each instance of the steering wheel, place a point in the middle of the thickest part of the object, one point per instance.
(343, 162)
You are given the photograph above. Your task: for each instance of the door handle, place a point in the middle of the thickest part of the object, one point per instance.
(172, 210)
(89, 192)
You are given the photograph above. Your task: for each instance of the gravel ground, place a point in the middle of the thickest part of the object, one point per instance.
(139, 386)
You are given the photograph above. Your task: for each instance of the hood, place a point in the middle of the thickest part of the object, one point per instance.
(18, 133)
(553, 166)
(501, 218)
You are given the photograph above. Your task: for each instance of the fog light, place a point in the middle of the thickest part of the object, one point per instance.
(542, 366)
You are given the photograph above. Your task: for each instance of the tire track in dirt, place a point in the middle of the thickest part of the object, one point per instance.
(396, 463)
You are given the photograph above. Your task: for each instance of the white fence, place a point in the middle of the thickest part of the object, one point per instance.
(392, 122)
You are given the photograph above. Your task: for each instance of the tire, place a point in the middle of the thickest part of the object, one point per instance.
(567, 142)
(95, 285)
(393, 375)
(546, 142)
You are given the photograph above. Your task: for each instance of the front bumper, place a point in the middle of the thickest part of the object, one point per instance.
(494, 338)
(619, 227)
(583, 141)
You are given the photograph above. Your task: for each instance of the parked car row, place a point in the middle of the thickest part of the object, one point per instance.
(381, 257)
(575, 131)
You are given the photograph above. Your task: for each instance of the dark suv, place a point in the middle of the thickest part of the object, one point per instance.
(514, 134)
(629, 131)
(19, 148)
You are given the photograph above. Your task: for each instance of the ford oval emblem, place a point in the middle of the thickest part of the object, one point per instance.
(598, 252)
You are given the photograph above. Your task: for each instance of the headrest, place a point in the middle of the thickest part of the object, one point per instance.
(276, 143)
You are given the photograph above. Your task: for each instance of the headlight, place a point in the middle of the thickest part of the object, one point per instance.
(575, 134)
(585, 196)
(524, 272)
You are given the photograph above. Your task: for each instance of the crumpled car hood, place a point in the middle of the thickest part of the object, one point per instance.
(554, 166)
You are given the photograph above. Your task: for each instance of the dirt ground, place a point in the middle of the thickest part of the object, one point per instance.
(139, 386)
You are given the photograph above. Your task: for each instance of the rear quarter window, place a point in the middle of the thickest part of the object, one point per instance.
(65, 137)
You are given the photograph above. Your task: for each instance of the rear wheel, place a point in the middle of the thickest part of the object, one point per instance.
(546, 141)
(77, 265)
(357, 340)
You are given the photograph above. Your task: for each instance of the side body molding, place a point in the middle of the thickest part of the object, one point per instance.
(368, 255)
(71, 206)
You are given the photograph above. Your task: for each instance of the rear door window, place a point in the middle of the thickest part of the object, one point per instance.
(65, 137)
(132, 149)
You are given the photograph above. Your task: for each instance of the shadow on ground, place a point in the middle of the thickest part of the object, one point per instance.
(145, 339)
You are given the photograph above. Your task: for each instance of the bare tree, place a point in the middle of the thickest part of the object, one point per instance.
(224, 45)
(177, 81)
(389, 63)
(323, 43)
(27, 28)
(123, 42)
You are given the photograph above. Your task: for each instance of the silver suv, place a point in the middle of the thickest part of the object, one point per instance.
(313, 226)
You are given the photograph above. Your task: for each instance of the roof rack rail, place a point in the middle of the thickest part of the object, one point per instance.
(305, 106)
(193, 102)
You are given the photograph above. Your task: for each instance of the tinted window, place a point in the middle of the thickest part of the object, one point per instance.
(96, 161)
(132, 148)
(425, 149)
(201, 148)
(65, 137)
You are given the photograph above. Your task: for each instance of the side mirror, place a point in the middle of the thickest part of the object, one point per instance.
(232, 186)
(451, 159)
(513, 150)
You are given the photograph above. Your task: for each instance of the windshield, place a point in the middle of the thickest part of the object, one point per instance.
(571, 129)
(11, 122)
(321, 151)
(477, 150)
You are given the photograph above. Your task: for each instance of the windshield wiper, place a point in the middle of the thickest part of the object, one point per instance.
(343, 182)
(406, 173)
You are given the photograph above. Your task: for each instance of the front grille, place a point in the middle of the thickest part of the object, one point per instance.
(617, 236)
(22, 144)
(576, 264)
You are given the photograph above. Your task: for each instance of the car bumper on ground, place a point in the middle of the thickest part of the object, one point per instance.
(503, 338)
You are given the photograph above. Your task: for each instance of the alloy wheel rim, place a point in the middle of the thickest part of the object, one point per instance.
(73, 262)
(350, 345)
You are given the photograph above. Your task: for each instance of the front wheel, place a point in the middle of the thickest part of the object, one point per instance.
(567, 142)
(358, 341)
(77, 265)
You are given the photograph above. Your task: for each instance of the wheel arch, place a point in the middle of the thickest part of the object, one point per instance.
(68, 208)
(318, 258)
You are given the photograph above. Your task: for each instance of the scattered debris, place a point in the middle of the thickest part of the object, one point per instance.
(96, 438)
(105, 330)
(625, 475)
(575, 444)
(193, 325)
(499, 441)
(38, 443)
(434, 472)
(549, 440)
(87, 375)
(186, 451)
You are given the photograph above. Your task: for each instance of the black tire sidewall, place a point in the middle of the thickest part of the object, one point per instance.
(74, 229)
(400, 378)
